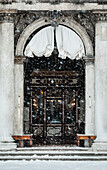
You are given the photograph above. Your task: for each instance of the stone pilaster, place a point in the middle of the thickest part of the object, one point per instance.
(89, 96)
(19, 95)
(6, 81)
(101, 85)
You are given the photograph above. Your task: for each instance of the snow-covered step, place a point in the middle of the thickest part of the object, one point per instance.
(56, 158)
(52, 154)
(24, 149)
(58, 148)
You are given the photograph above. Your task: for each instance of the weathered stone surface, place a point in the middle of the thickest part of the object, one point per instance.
(19, 100)
(89, 96)
(6, 83)
(89, 14)
(54, 1)
(101, 86)
(85, 19)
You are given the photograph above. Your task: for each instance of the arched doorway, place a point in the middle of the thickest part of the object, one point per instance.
(54, 96)
(19, 75)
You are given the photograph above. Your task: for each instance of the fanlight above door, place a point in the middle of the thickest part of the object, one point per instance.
(69, 44)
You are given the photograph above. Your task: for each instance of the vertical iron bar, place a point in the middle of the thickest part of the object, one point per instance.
(31, 113)
(77, 107)
(77, 126)
(63, 116)
(44, 114)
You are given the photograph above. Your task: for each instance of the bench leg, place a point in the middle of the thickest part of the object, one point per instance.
(78, 142)
(20, 143)
(89, 142)
(30, 141)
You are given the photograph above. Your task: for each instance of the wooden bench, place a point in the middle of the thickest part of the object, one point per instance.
(23, 137)
(83, 137)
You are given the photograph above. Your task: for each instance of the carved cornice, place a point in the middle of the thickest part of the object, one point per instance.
(19, 59)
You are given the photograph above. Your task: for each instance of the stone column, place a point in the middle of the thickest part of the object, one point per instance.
(19, 95)
(101, 86)
(89, 96)
(6, 81)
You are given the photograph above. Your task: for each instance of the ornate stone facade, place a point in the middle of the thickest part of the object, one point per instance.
(22, 19)
(85, 19)
(19, 22)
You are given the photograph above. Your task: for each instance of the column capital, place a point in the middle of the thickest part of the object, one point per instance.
(19, 59)
(89, 59)
(101, 16)
(7, 16)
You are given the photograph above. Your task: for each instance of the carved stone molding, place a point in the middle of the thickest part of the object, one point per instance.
(89, 59)
(6, 1)
(54, 1)
(25, 18)
(7, 17)
(101, 16)
(19, 59)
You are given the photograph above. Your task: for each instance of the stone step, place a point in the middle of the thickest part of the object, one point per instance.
(53, 153)
(46, 148)
(56, 158)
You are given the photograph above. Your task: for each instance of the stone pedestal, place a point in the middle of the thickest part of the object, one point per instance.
(101, 87)
(6, 84)
(19, 95)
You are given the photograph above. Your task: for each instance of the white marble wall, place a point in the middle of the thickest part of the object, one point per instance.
(6, 83)
(101, 86)
(89, 98)
(19, 93)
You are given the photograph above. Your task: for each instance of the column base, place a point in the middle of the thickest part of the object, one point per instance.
(7, 145)
(7, 142)
(100, 146)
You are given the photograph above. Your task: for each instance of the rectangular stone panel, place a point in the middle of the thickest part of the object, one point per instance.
(53, 131)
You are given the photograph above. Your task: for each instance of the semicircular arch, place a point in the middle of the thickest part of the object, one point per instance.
(72, 24)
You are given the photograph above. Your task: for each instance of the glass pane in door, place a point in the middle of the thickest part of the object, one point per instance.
(54, 111)
(37, 107)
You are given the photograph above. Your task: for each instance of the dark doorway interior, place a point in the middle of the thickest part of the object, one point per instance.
(54, 99)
